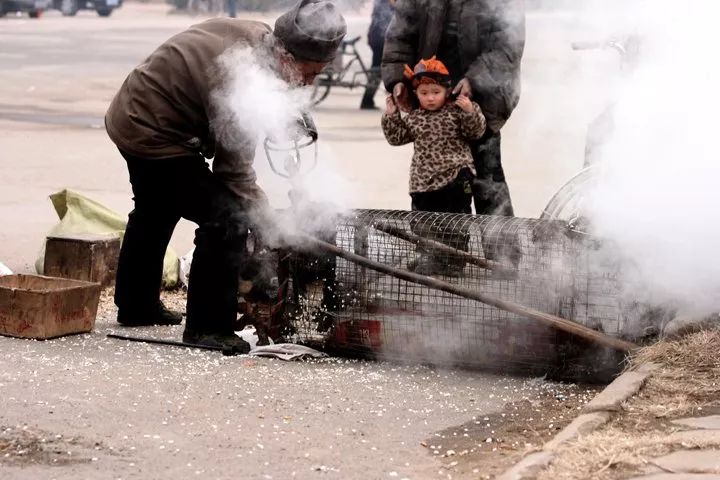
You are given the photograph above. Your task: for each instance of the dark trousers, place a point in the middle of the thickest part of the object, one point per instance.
(492, 197)
(231, 6)
(456, 197)
(368, 99)
(490, 190)
(165, 191)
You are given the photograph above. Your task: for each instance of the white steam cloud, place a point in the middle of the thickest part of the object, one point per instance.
(253, 104)
(660, 171)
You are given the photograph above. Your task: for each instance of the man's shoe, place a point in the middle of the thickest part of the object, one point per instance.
(368, 106)
(217, 340)
(157, 316)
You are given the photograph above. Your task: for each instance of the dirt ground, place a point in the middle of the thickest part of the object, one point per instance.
(481, 448)
(488, 446)
(91, 407)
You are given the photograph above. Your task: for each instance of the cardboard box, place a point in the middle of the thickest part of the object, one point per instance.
(38, 307)
(91, 258)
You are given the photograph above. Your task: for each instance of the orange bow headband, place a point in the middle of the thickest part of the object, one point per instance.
(431, 70)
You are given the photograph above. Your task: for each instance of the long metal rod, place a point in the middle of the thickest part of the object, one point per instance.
(225, 350)
(545, 318)
(439, 246)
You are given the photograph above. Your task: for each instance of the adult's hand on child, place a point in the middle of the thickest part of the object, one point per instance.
(390, 105)
(464, 103)
(463, 88)
(401, 96)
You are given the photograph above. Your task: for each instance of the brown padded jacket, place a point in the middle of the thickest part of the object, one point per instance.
(164, 108)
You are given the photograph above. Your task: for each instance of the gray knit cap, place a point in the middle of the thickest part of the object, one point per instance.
(312, 30)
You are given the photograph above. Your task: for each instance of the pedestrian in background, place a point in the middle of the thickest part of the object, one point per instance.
(232, 8)
(381, 15)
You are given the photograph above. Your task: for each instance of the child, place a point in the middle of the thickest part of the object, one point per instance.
(442, 168)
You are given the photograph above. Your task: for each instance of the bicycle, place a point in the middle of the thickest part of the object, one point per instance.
(567, 203)
(335, 73)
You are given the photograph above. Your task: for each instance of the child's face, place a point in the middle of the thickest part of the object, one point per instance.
(431, 95)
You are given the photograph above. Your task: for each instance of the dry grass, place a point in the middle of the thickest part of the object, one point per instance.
(614, 453)
(687, 382)
(688, 379)
(696, 351)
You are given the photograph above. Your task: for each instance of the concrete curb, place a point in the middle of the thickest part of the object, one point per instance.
(595, 414)
(622, 388)
(582, 425)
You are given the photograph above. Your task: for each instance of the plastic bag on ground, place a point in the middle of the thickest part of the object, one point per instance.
(287, 351)
(4, 270)
(185, 263)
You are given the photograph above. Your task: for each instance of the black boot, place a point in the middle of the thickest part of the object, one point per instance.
(368, 99)
(229, 341)
(157, 315)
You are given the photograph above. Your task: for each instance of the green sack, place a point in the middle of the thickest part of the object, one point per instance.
(81, 215)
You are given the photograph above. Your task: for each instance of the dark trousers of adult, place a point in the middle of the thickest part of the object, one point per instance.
(456, 197)
(368, 99)
(231, 6)
(490, 191)
(492, 197)
(165, 191)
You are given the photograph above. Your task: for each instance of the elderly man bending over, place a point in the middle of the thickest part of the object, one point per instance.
(162, 122)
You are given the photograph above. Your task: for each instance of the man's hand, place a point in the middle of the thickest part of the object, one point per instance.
(390, 106)
(463, 88)
(464, 103)
(402, 97)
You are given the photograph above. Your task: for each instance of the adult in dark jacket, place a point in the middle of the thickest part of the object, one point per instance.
(481, 42)
(163, 120)
(381, 15)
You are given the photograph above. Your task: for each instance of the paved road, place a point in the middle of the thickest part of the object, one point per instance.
(132, 411)
(104, 409)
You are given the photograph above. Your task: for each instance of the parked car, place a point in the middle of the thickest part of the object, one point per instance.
(70, 7)
(34, 8)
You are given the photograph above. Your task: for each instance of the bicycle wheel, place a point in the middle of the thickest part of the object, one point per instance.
(567, 203)
(321, 87)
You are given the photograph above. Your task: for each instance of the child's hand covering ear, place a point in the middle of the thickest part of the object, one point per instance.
(390, 106)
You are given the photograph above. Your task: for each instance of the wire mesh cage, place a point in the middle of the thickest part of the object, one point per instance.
(346, 307)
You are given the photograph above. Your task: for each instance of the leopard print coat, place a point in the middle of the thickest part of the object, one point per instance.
(441, 142)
